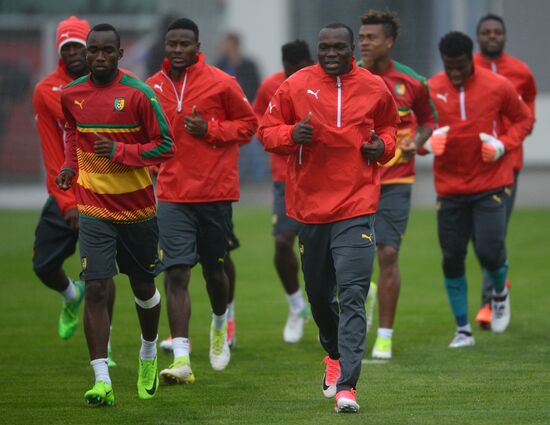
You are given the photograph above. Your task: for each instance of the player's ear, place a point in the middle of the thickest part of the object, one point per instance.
(120, 53)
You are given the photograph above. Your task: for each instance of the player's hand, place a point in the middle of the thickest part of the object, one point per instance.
(491, 148)
(438, 141)
(408, 149)
(303, 132)
(103, 147)
(195, 124)
(374, 148)
(64, 179)
(71, 217)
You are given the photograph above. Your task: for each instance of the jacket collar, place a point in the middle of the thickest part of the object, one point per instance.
(343, 77)
(165, 68)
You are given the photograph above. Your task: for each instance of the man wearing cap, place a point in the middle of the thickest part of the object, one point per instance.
(57, 229)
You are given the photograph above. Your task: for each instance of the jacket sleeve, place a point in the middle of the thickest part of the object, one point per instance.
(278, 122)
(529, 94)
(71, 161)
(160, 145)
(386, 119)
(240, 123)
(260, 102)
(52, 138)
(521, 118)
(423, 107)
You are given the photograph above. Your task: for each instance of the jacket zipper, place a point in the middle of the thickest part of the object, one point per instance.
(180, 97)
(462, 104)
(339, 113)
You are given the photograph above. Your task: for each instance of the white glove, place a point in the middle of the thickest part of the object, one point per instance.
(491, 148)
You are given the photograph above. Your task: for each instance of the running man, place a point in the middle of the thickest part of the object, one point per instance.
(336, 121)
(472, 174)
(57, 230)
(377, 37)
(491, 38)
(115, 130)
(295, 57)
(211, 117)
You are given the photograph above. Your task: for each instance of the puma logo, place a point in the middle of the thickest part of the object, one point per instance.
(497, 199)
(79, 103)
(366, 236)
(314, 93)
(442, 96)
(64, 35)
(271, 106)
(159, 87)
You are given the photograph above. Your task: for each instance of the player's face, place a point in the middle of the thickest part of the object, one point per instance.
(335, 51)
(491, 38)
(458, 69)
(74, 58)
(373, 43)
(291, 69)
(181, 48)
(102, 55)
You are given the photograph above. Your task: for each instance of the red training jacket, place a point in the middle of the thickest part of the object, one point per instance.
(204, 169)
(119, 188)
(478, 106)
(50, 123)
(523, 81)
(328, 179)
(263, 96)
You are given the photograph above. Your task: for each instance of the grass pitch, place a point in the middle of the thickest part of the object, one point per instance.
(504, 379)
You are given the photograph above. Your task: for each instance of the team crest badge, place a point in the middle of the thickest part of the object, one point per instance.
(400, 89)
(119, 104)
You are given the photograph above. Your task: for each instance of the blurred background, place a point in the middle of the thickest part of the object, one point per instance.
(253, 30)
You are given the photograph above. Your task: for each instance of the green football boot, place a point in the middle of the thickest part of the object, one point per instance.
(148, 379)
(100, 395)
(110, 361)
(68, 319)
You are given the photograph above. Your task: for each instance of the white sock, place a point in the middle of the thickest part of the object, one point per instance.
(231, 310)
(148, 349)
(219, 321)
(180, 347)
(466, 328)
(501, 294)
(386, 333)
(101, 370)
(296, 301)
(70, 293)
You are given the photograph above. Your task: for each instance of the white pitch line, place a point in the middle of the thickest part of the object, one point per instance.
(373, 361)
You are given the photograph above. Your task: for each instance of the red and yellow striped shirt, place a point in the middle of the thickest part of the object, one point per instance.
(117, 189)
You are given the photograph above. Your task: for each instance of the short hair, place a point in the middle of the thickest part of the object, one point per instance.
(184, 24)
(338, 25)
(295, 52)
(455, 43)
(387, 19)
(491, 17)
(104, 28)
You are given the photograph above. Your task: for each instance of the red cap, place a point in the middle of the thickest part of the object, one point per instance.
(72, 30)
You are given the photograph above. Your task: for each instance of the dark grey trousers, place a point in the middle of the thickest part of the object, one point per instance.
(509, 201)
(337, 261)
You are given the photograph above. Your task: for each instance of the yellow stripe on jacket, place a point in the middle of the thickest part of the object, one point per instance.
(113, 184)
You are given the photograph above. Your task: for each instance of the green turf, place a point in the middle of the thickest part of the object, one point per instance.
(504, 379)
